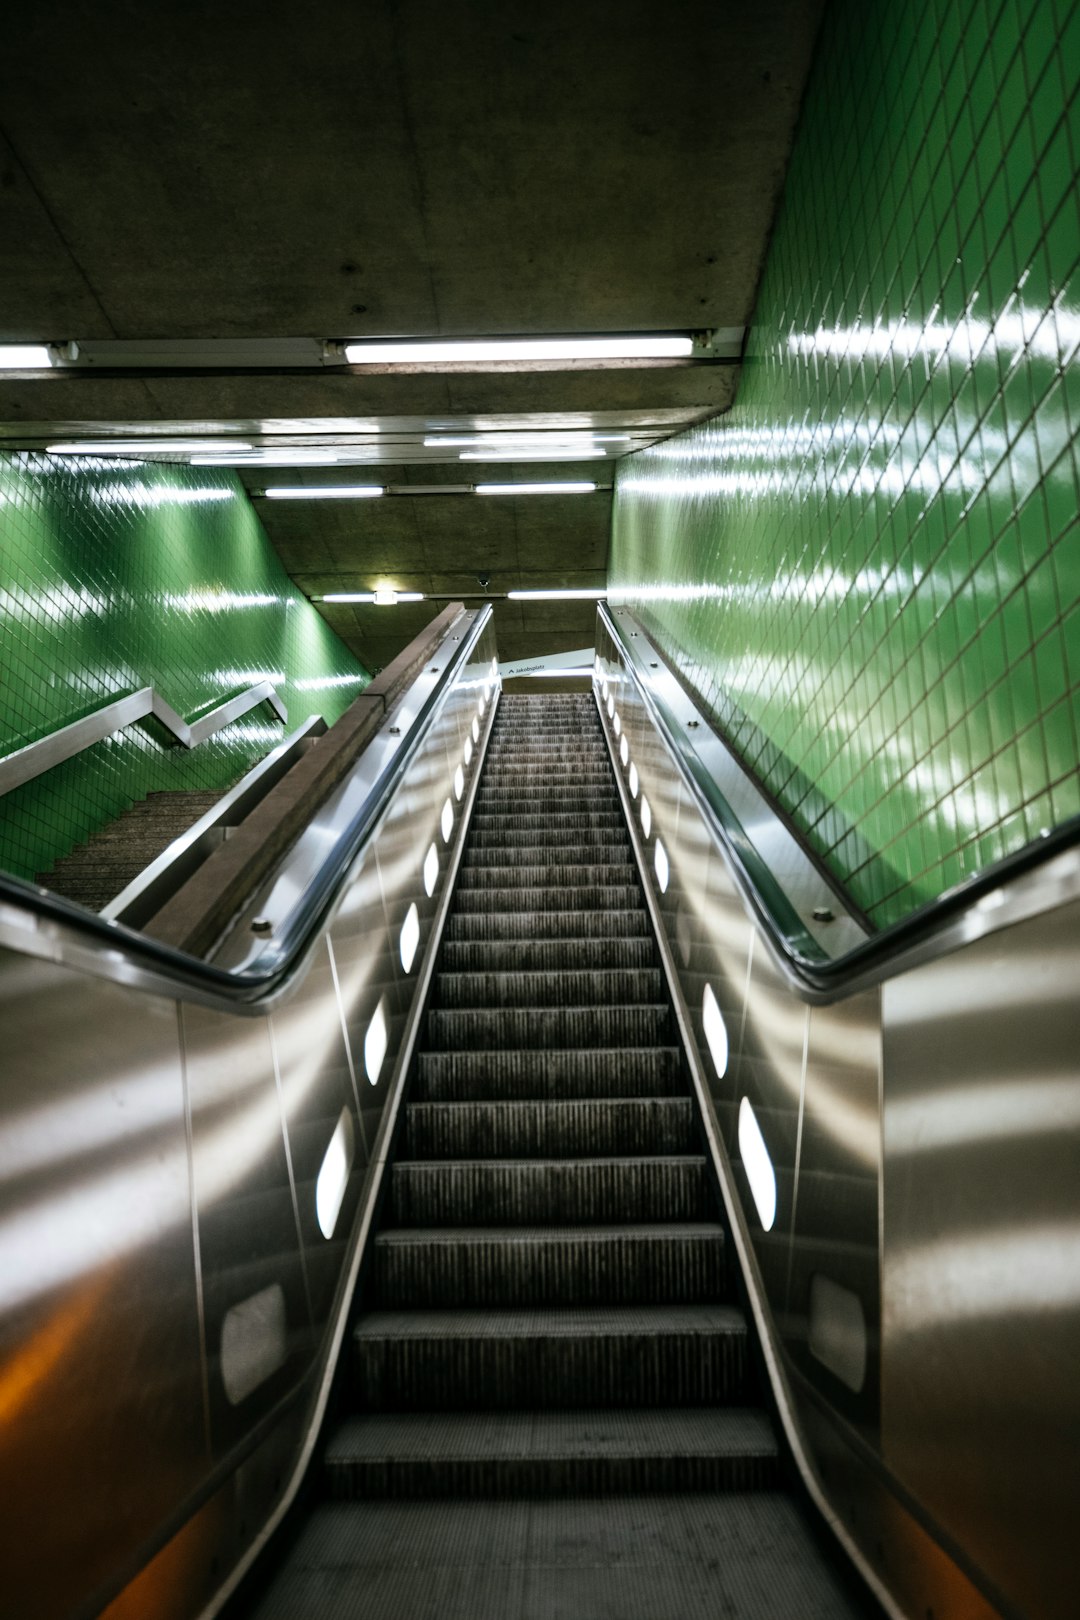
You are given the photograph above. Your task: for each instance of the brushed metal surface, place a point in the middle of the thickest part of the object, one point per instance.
(981, 1265)
(923, 1131)
(159, 1164)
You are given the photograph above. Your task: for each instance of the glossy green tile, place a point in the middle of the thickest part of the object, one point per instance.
(863, 568)
(113, 578)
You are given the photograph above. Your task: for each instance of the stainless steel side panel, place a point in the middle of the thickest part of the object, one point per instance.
(912, 1244)
(981, 1275)
(185, 1186)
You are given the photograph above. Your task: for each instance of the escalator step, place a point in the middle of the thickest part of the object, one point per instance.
(470, 1454)
(683, 1263)
(587, 1356)
(485, 1028)
(557, 921)
(500, 1192)
(560, 987)
(515, 1075)
(549, 1129)
(546, 955)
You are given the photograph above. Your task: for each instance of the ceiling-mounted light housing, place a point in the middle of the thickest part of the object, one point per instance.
(495, 351)
(324, 492)
(581, 595)
(381, 598)
(27, 356)
(151, 447)
(577, 488)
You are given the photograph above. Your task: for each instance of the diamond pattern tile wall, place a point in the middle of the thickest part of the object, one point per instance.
(116, 577)
(870, 568)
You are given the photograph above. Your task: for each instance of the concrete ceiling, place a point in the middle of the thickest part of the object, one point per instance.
(397, 167)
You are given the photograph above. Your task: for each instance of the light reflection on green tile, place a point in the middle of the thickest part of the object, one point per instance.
(869, 569)
(113, 578)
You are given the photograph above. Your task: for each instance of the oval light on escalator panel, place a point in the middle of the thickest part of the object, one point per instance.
(494, 668)
(375, 1043)
(475, 730)
(610, 705)
(624, 750)
(334, 1174)
(633, 781)
(431, 870)
(616, 721)
(459, 782)
(468, 750)
(646, 816)
(663, 869)
(757, 1164)
(254, 1343)
(715, 1032)
(446, 821)
(410, 937)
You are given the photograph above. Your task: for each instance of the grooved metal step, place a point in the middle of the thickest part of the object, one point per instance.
(548, 1129)
(676, 1262)
(486, 1192)
(583, 1356)
(546, 955)
(603, 987)
(484, 1028)
(599, 1072)
(554, 922)
(469, 1454)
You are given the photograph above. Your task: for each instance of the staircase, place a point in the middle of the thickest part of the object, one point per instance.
(552, 1409)
(95, 872)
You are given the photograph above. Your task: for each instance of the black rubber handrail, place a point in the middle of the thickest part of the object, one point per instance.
(874, 959)
(248, 986)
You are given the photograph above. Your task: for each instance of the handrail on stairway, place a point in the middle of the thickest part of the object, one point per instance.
(66, 742)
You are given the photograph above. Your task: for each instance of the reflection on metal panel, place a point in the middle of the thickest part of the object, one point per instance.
(981, 1281)
(166, 1286)
(918, 1292)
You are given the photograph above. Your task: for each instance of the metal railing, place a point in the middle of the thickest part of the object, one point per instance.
(889, 1121)
(189, 1163)
(24, 764)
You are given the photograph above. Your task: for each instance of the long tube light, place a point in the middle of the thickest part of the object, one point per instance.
(558, 596)
(150, 447)
(271, 458)
(536, 489)
(555, 453)
(380, 598)
(431, 352)
(496, 440)
(325, 492)
(25, 357)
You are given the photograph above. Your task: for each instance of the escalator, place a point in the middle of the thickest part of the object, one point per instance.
(552, 1393)
(504, 1177)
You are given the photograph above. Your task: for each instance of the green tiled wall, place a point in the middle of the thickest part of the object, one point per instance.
(116, 577)
(870, 568)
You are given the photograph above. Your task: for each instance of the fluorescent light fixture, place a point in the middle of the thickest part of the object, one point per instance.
(410, 937)
(557, 596)
(496, 440)
(431, 870)
(333, 1176)
(536, 489)
(757, 1164)
(325, 492)
(25, 357)
(556, 453)
(715, 1031)
(149, 447)
(283, 457)
(381, 598)
(375, 1043)
(441, 352)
